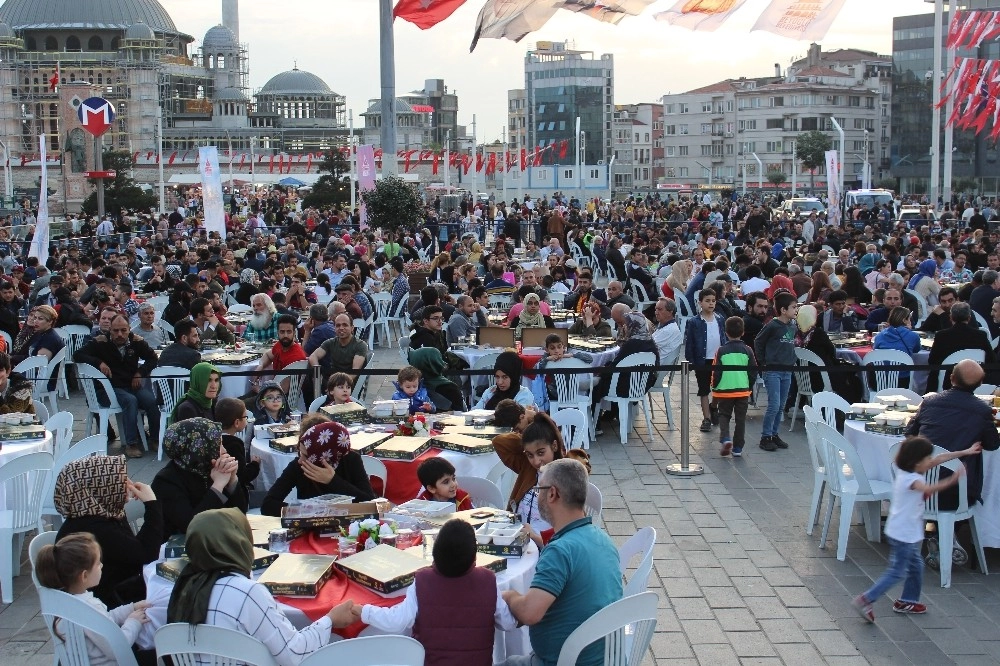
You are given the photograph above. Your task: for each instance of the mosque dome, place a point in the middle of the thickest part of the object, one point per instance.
(219, 38)
(295, 82)
(139, 31)
(89, 14)
(6, 32)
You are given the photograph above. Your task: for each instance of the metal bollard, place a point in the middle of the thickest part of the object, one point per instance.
(685, 468)
(317, 380)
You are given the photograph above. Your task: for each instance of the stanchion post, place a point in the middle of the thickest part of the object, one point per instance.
(317, 379)
(685, 468)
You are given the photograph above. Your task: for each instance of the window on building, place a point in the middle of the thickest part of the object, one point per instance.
(729, 105)
(72, 43)
(854, 100)
(706, 151)
(670, 130)
(777, 101)
(562, 124)
(706, 107)
(773, 147)
(683, 108)
(670, 150)
(51, 44)
(568, 174)
(809, 124)
(682, 129)
(682, 172)
(706, 128)
(682, 151)
(774, 123)
(647, 138)
(670, 108)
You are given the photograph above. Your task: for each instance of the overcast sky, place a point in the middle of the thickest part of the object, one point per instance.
(338, 41)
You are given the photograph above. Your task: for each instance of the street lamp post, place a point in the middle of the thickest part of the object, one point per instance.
(159, 161)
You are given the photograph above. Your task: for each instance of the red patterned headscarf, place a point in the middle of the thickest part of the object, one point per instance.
(326, 441)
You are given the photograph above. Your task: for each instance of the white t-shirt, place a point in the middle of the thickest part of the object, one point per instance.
(906, 512)
(714, 340)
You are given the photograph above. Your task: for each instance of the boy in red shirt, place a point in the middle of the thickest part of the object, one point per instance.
(437, 476)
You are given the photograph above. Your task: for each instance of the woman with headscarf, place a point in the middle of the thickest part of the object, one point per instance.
(199, 401)
(507, 375)
(249, 279)
(15, 390)
(677, 281)
(925, 283)
(90, 495)
(444, 393)
(779, 281)
(38, 337)
(216, 588)
(326, 464)
(200, 475)
(531, 316)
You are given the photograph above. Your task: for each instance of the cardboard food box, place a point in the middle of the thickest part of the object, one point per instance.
(261, 527)
(327, 517)
(883, 429)
(402, 448)
(514, 549)
(285, 444)
(294, 575)
(365, 442)
(382, 569)
(463, 443)
(284, 430)
(494, 563)
(449, 420)
(487, 414)
(486, 432)
(235, 358)
(352, 412)
(19, 433)
(171, 569)
(175, 546)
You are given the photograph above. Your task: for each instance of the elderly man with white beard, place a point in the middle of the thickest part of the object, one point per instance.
(263, 324)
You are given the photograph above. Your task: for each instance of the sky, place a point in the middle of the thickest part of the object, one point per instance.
(338, 41)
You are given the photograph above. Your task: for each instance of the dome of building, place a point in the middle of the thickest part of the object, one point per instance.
(401, 107)
(139, 31)
(229, 95)
(90, 14)
(295, 82)
(219, 38)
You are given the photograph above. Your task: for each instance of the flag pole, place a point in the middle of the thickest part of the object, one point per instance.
(949, 128)
(387, 70)
(936, 105)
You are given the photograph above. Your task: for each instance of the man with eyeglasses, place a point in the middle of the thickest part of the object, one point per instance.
(431, 333)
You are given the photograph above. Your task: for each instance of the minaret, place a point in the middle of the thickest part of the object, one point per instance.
(231, 16)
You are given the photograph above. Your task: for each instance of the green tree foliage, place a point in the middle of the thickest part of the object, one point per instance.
(811, 149)
(333, 187)
(393, 205)
(776, 177)
(888, 184)
(120, 192)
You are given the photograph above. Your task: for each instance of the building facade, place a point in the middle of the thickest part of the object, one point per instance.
(562, 84)
(912, 80)
(720, 134)
(637, 147)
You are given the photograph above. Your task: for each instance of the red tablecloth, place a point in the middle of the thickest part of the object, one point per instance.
(403, 482)
(861, 351)
(336, 590)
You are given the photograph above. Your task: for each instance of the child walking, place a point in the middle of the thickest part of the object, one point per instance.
(905, 527)
(731, 387)
(775, 345)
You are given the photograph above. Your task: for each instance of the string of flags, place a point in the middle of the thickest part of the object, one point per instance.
(514, 19)
(969, 29)
(973, 84)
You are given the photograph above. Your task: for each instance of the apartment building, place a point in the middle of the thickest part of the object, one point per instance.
(637, 147)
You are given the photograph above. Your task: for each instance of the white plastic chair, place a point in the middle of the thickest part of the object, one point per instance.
(34, 546)
(850, 484)
(636, 394)
(626, 626)
(135, 512)
(294, 382)
(556, 299)
(90, 377)
(946, 519)
(361, 383)
(369, 651)
(167, 328)
(885, 376)
(375, 467)
(502, 477)
(923, 309)
(827, 404)
(67, 617)
(985, 389)
(404, 349)
(984, 327)
(912, 397)
(95, 445)
(574, 426)
(188, 644)
(484, 493)
(501, 301)
(60, 425)
(364, 329)
(977, 355)
(817, 455)
(664, 382)
(23, 480)
(31, 366)
(594, 505)
(41, 411)
(317, 403)
(804, 358)
(639, 544)
(239, 309)
(171, 384)
(684, 309)
(484, 362)
(75, 336)
(399, 317)
(381, 301)
(573, 389)
(54, 367)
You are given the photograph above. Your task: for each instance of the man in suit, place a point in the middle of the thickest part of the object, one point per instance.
(959, 336)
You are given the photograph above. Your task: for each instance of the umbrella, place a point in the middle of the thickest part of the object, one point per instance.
(290, 182)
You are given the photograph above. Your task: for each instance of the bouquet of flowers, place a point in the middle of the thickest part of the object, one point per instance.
(413, 267)
(413, 426)
(370, 531)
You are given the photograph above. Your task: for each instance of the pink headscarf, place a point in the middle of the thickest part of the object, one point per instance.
(779, 281)
(326, 441)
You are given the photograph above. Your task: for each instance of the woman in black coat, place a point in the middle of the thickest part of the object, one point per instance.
(326, 464)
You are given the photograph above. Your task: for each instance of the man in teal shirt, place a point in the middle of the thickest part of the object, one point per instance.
(577, 573)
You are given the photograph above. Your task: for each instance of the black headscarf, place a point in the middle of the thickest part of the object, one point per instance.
(510, 364)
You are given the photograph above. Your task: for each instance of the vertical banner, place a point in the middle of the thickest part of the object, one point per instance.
(799, 19)
(833, 187)
(211, 190)
(40, 241)
(366, 177)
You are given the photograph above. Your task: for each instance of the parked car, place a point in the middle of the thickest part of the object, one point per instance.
(800, 207)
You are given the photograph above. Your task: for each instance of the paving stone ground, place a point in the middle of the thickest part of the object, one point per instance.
(739, 580)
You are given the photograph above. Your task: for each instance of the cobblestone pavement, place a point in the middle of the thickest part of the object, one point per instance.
(739, 580)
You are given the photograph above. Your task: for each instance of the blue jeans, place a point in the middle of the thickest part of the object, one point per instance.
(131, 402)
(904, 562)
(777, 384)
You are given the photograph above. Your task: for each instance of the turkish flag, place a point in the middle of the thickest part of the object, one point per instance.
(426, 13)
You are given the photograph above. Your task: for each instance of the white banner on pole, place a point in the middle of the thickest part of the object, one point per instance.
(211, 189)
(833, 187)
(799, 19)
(40, 241)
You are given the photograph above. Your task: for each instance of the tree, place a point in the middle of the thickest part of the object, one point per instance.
(121, 192)
(332, 188)
(393, 205)
(776, 178)
(888, 184)
(964, 184)
(811, 148)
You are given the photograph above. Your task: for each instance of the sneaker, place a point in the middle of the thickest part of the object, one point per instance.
(713, 411)
(780, 443)
(767, 443)
(909, 607)
(598, 432)
(737, 451)
(706, 425)
(864, 608)
(933, 557)
(727, 448)
(133, 451)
